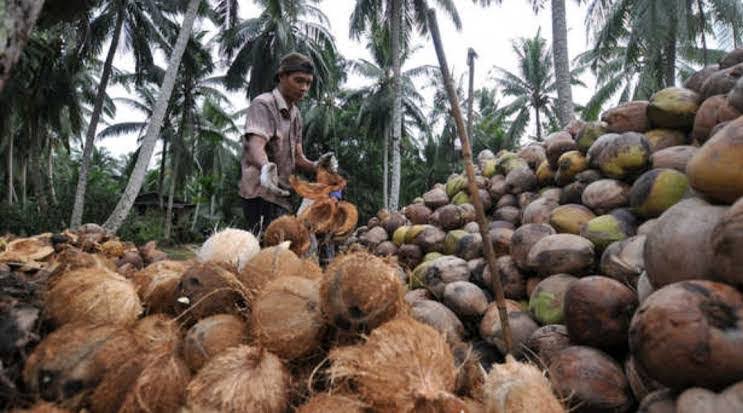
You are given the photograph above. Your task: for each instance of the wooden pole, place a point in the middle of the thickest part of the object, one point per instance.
(471, 56)
(497, 286)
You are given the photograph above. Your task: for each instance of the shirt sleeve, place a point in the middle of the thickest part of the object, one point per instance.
(259, 120)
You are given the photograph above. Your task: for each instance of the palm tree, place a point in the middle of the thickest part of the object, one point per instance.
(19, 18)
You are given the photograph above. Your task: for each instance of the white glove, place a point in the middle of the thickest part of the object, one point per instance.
(270, 180)
(328, 161)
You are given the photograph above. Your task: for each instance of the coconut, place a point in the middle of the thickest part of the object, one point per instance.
(465, 299)
(703, 320)
(657, 190)
(450, 217)
(150, 253)
(660, 139)
(212, 336)
(288, 228)
(508, 200)
(727, 243)
(620, 156)
(332, 403)
(556, 144)
(547, 301)
(391, 374)
(574, 127)
(285, 317)
(590, 380)
(639, 382)
(722, 81)
(659, 401)
(713, 111)
(441, 271)
(393, 221)
(409, 255)
(320, 217)
(460, 198)
(521, 180)
(158, 333)
(588, 176)
(696, 80)
(735, 97)
(676, 157)
(539, 211)
(519, 387)
(508, 161)
(509, 213)
(644, 288)
(534, 155)
(673, 108)
(41, 407)
(623, 260)
(524, 238)
(606, 229)
(512, 280)
(241, 379)
(630, 116)
(427, 237)
(647, 227)
(473, 227)
(73, 359)
(606, 194)
(546, 341)
(156, 284)
(385, 249)
(501, 240)
(570, 164)
(588, 135)
(418, 214)
(483, 156)
(470, 373)
(570, 218)
(468, 212)
(398, 237)
(732, 58)
(455, 184)
(92, 295)
(545, 174)
(598, 311)
(208, 289)
(374, 237)
(438, 316)
(572, 193)
(463, 244)
(359, 292)
(274, 262)
(550, 193)
(684, 227)
(230, 246)
(521, 324)
(435, 198)
(417, 294)
(716, 170)
(561, 253)
(489, 167)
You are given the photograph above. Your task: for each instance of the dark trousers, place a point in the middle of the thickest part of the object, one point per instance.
(259, 213)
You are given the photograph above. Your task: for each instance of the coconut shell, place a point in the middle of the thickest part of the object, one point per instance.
(659, 401)
(561, 253)
(534, 155)
(241, 379)
(665, 138)
(623, 260)
(556, 144)
(359, 292)
(722, 81)
(231, 247)
(620, 156)
(435, 198)
(716, 170)
(212, 336)
(590, 380)
(92, 295)
(606, 229)
(673, 108)
(539, 211)
(418, 214)
(288, 228)
(521, 180)
(332, 403)
(570, 218)
(546, 342)
(547, 301)
(391, 374)
(521, 324)
(568, 165)
(156, 285)
(320, 216)
(512, 280)
(25, 250)
(627, 117)
(657, 190)
(703, 320)
(441, 271)
(695, 81)
(523, 240)
(684, 227)
(209, 289)
(606, 194)
(519, 387)
(727, 244)
(438, 316)
(676, 157)
(545, 174)
(409, 255)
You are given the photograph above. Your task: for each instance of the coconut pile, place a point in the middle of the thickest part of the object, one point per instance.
(619, 245)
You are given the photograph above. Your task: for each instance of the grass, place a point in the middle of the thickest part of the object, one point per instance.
(180, 252)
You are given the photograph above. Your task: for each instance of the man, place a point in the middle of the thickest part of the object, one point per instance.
(272, 144)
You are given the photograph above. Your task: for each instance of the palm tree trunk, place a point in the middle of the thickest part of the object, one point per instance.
(171, 195)
(17, 21)
(539, 123)
(50, 172)
(703, 21)
(82, 180)
(195, 215)
(161, 176)
(562, 63)
(113, 223)
(735, 37)
(386, 169)
(397, 103)
(24, 180)
(36, 178)
(212, 204)
(9, 171)
(670, 69)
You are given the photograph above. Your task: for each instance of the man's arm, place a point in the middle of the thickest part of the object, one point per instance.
(255, 150)
(302, 162)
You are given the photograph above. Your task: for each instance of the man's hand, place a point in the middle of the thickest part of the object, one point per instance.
(270, 180)
(328, 161)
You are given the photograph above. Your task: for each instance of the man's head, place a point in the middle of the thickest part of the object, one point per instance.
(295, 76)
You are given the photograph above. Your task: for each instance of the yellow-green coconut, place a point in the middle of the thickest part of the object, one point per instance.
(657, 190)
(673, 108)
(716, 170)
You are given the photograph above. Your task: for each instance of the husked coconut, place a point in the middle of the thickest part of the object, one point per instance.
(673, 108)
(393, 221)
(523, 240)
(547, 301)
(561, 253)
(208, 289)
(332, 403)
(465, 299)
(606, 194)
(676, 157)
(438, 316)
(521, 324)
(534, 155)
(659, 139)
(519, 387)
(288, 228)
(241, 379)
(727, 245)
(716, 170)
(623, 260)
(211, 336)
(627, 117)
(233, 247)
(570, 218)
(156, 285)
(546, 341)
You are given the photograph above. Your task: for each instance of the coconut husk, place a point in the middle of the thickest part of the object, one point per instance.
(41, 407)
(588, 135)
(463, 244)
(620, 156)
(660, 139)
(211, 336)
(288, 228)
(24, 250)
(465, 299)
(639, 382)
(286, 318)
(230, 247)
(519, 387)
(272, 263)
(674, 108)
(556, 144)
(158, 333)
(546, 342)
(630, 116)
(521, 324)
(545, 174)
(657, 190)
(521, 180)
(695, 81)
(427, 237)
(320, 216)
(150, 253)
(385, 249)
(570, 218)
(727, 243)
(606, 229)
(539, 211)
(659, 401)
(470, 373)
(605, 195)
(561, 253)
(209, 289)
(676, 157)
(93, 295)
(417, 294)
(409, 255)
(498, 186)
(715, 170)
(327, 182)
(735, 97)
(374, 237)
(713, 111)
(509, 161)
(156, 285)
(418, 214)
(393, 221)
(572, 193)
(359, 292)
(441, 271)
(241, 379)
(574, 127)
(71, 259)
(623, 260)
(722, 81)
(524, 238)
(113, 249)
(450, 217)
(512, 280)
(549, 193)
(131, 258)
(332, 403)
(391, 374)
(534, 154)
(438, 316)
(501, 240)
(435, 198)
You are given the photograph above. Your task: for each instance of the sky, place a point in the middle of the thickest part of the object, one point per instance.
(488, 30)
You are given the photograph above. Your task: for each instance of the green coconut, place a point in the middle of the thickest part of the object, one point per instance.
(453, 240)
(673, 108)
(461, 198)
(398, 237)
(620, 156)
(509, 161)
(570, 164)
(455, 184)
(591, 131)
(664, 138)
(716, 170)
(605, 229)
(546, 303)
(545, 174)
(570, 218)
(628, 117)
(489, 168)
(657, 190)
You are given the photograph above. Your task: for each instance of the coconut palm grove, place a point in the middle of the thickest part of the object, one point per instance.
(555, 226)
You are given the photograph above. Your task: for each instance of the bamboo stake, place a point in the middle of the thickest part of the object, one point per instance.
(472, 185)
(471, 56)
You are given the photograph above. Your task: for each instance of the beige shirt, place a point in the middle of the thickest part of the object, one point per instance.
(270, 117)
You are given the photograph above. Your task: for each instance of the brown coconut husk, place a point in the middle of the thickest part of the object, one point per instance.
(470, 373)
(156, 285)
(71, 361)
(333, 403)
(715, 170)
(113, 249)
(211, 336)
(286, 318)
(71, 259)
(272, 263)
(241, 379)
(320, 216)
(42, 407)
(519, 387)
(727, 244)
(346, 219)
(209, 289)
(92, 295)
(25, 250)
(158, 333)
(288, 228)
(150, 253)
(315, 191)
(675, 157)
(360, 291)
(403, 366)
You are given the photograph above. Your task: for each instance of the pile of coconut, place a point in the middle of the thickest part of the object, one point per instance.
(619, 244)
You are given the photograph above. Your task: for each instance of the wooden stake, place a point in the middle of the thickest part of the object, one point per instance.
(471, 56)
(497, 286)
